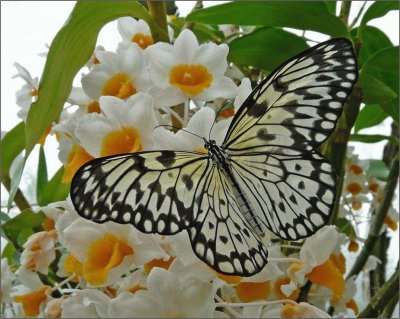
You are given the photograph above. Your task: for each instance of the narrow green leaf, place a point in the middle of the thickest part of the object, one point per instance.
(12, 144)
(15, 180)
(10, 252)
(55, 190)
(370, 115)
(373, 138)
(374, 90)
(301, 15)
(4, 217)
(42, 180)
(263, 48)
(344, 226)
(378, 169)
(69, 51)
(203, 32)
(378, 9)
(25, 220)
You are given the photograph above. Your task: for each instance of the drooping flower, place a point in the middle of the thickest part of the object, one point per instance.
(137, 31)
(188, 70)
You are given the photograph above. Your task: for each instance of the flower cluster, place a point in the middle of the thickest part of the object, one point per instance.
(127, 102)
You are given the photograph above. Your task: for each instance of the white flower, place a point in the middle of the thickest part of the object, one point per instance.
(7, 278)
(132, 30)
(167, 295)
(244, 91)
(119, 74)
(39, 251)
(109, 250)
(200, 124)
(302, 310)
(124, 127)
(186, 69)
(87, 303)
(28, 93)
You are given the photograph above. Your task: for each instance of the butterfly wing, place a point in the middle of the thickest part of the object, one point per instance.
(221, 236)
(296, 107)
(157, 192)
(272, 139)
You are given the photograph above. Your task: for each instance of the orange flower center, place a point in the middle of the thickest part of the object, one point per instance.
(31, 301)
(354, 188)
(93, 107)
(142, 40)
(76, 158)
(277, 288)
(160, 263)
(120, 85)
(353, 246)
(390, 223)
(251, 291)
(228, 112)
(191, 79)
(126, 140)
(356, 169)
(373, 187)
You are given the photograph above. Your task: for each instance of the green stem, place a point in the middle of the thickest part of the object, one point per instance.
(345, 11)
(380, 300)
(378, 219)
(159, 12)
(388, 311)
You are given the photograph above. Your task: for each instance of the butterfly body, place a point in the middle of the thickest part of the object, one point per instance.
(267, 175)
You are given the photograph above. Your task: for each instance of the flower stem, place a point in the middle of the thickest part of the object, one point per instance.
(381, 298)
(345, 11)
(159, 12)
(378, 219)
(259, 303)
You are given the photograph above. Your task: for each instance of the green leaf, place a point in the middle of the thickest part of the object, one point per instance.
(12, 144)
(55, 190)
(374, 90)
(69, 51)
(263, 48)
(378, 169)
(378, 9)
(370, 115)
(203, 32)
(386, 60)
(375, 138)
(373, 40)
(4, 217)
(24, 221)
(10, 253)
(41, 176)
(301, 15)
(344, 226)
(331, 5)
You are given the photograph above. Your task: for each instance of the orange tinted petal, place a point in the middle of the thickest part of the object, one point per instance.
(277, 288)
(142, 40)
(32, 301)
(191, 79)
(126, 140)
(120, 85)
(76, 158)
(160, 263)
(251, 291)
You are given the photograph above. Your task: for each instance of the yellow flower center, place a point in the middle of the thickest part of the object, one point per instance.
(126, 140)
(228, 112)
(120, 85)
(48, 224)
(76, 158)
(160, 263)
(31, 301)
(353, 246)
(93, 107)
(390, 223)
(137, 288)
(142, 40)
(73, 265)
(330, 275)
(103, 255)
(352, 305)
(34, 92)
(191, 79)
(277, 288)
(354, 188)
(373, 187)
(251, 291)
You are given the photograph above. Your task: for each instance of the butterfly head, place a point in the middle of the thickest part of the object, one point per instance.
(209, 144)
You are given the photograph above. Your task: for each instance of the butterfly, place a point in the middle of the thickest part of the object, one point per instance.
(266, 176)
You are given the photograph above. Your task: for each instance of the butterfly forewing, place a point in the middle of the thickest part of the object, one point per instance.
(221, 236)
(155, 191)
(297, 106)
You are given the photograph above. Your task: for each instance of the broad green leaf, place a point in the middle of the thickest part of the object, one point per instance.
(331, 5)
(374, 90)
(25, 220)
(301, 15)
(41, 181)
(263, 48)
(373, 40)
(370, 115)
(344, 226)
(392, 108)
(378, 169)
(374, 138)
(12, 145)
(378, 9)
(10, 253)
(203, 32)
(55, 190)
(69, 51)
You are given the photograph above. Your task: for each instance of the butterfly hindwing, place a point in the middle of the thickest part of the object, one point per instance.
(292, 195)
(221, 236)
(296, 107)
(157, 192)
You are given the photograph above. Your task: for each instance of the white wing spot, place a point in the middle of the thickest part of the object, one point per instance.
(114, 214)
(127, 217)
(316, 219)
(331, 116)
(292, 233)
(327, 125)
(85, 175)
(350, 76)
(335, 105)
(341, 94)
(301, 230)
(147, 225)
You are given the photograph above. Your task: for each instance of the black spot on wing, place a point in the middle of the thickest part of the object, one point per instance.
(186, 179)
(167, 158)
(258, 109)
(262, 134)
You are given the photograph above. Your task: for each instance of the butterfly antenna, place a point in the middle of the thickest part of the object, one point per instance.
(216, 115)
(180, 129)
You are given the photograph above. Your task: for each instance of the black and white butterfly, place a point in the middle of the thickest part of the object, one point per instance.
(266, 175)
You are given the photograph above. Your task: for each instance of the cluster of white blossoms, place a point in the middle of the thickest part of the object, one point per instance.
(112, 270)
